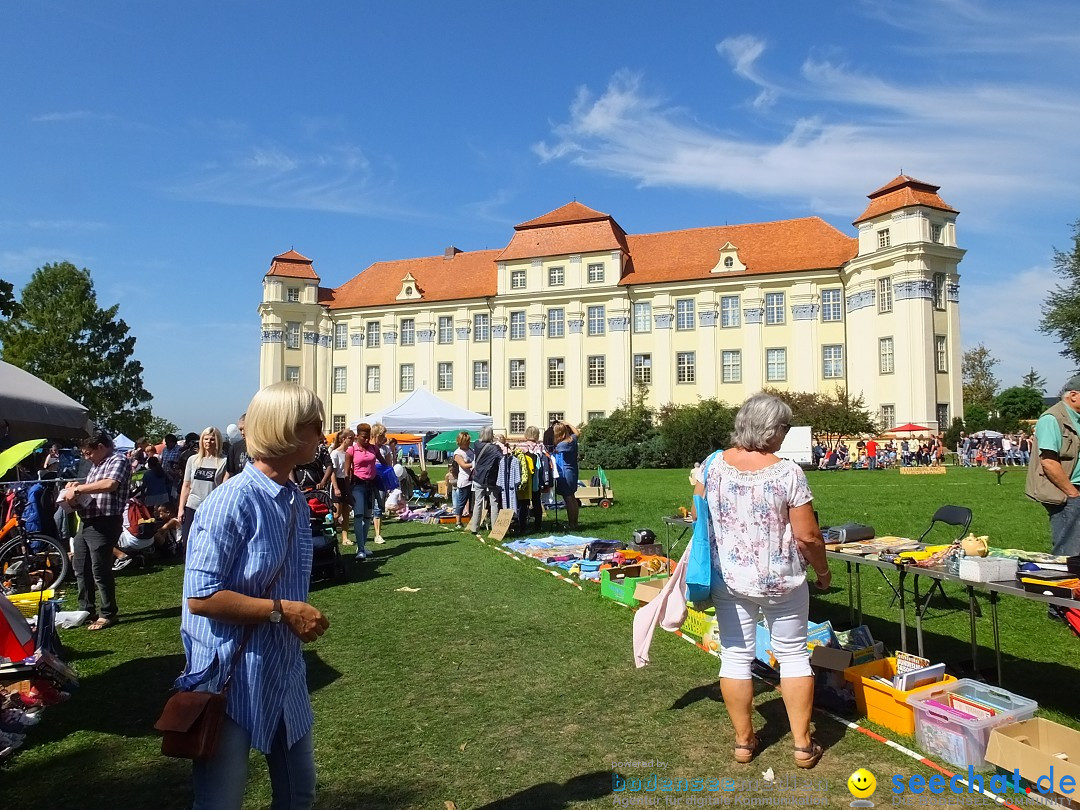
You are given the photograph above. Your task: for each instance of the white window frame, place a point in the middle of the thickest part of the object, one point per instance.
(597, 320)
(445, 376)
(937, 233)
(643, 368)
(481, 327)
(886, 355)
(338, 422)
(642, 317)
(595, 273)
(731, 365)
(556, 322)
(292, 335)
(596, 365)
(776, 365)
(407, 377)
(341, 379)
(684, 314)
(685, 368)
(292, 295)
(942, 423)
(446, 329)
(940, 280)
(517, 325)
(517, 377)
(519, 280)
(341, 336)
(836, 371)
(556, 276)
(373, 379)
(884, 238)
(884, 295)
(941, 354)
(556, 416)
(888, 416)
(832, 310)
(408, 331)
(590, 415)
(481, 375)
(774, 308)
(292, 374)
(517, 423)
(373, 334)
(730, 311)
(556, 376)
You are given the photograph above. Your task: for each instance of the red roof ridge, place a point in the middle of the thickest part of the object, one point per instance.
(736, 225)
(900, 181)
(291, 255)
(568, 214)
(292, 265)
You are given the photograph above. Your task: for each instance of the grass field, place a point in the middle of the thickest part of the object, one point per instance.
(498, 686)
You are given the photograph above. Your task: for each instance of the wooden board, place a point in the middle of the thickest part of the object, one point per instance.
(922, 470)
(502, 524)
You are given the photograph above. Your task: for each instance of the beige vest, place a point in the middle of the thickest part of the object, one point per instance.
(1039, 487)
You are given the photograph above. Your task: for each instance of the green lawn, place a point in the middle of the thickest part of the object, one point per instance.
(498, 686)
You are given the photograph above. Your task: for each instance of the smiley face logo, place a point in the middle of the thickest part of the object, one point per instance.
(862, 784)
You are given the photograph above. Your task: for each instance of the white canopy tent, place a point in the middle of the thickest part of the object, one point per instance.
(122, 442)
(422, 411)
(36, 410)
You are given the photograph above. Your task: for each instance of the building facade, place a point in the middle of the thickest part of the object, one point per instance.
(573, 312)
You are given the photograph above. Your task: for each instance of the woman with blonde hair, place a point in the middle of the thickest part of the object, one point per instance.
(764, 535)
(204, 471)
(245, 609)
(340, 483)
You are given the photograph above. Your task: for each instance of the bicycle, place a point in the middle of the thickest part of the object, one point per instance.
(30, 561)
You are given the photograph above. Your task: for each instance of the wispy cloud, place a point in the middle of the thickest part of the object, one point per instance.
(71, 115)
(19, 265)
(838, 125)
(52, 225)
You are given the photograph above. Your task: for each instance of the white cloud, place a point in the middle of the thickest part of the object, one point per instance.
(18, 265)
(70, 115)
(52, 225)
(743, 52)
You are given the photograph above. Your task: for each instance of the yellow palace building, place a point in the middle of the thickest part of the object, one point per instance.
(573, 311)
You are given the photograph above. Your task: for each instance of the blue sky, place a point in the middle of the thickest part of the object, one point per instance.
(173, 150)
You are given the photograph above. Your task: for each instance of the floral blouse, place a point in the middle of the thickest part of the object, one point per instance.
(754, 548)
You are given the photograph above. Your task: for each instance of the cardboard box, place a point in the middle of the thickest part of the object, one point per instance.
(621, 589)
(830, 658)
(649, 589)
(1043, 752)
(442, 488)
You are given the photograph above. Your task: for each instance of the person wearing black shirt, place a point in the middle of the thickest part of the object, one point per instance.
(238, 457)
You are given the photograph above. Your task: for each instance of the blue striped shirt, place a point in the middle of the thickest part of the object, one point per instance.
(237, 542)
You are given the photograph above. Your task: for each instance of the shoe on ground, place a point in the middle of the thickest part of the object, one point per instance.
(1053, 613)
(362, 555)
(379, 540)
(122, 563)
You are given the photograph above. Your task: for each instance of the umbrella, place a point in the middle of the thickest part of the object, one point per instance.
(447, 440)
(987, 434)
(909, 428)
(16, 453)
(32, 407)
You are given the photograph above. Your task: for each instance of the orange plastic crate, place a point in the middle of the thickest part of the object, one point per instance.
(881, 703)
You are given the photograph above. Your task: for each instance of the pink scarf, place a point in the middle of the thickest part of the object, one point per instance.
(668, 610)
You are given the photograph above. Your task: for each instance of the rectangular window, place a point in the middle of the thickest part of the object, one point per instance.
(556, 323)
(888, 417)
(517, 280)
(556, 372)
(596, 273)
(883, 238)
(446, 376)
(374, 379)
(729, 311)
(292, 374)
(292, 335)
(939, 290)
(776, 365)
(943, 415)
(684, 313)
(935, 233)
(481, 375)
(832, 305)
(556, 416)
(643, 368)
(774, 308)
(832, 362)
(481, 328)
(731, 364)
(341, 336)
(597, 364)
(596, 321)
(373, 334)
(886, 361)
(556, 276)
(941, 353)
(446, 329)
(884, 295)
(685, 367)
(340, 379)
(517, 373)
(517, 422)
(294, 294)
(642, 318)
(591, 415)
(408, 331)
(337, 423)
(407, 377)
(517, 325)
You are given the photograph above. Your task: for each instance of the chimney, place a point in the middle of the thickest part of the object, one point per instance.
(451, 252)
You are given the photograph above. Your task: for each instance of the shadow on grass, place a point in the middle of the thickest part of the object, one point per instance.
(553, 795)
(370, 797)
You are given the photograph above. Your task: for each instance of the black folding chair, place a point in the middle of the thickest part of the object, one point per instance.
(950, 516)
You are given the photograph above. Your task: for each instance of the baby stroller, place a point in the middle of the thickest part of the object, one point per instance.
(326, 559)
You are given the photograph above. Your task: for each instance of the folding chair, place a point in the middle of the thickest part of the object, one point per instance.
(950, 516)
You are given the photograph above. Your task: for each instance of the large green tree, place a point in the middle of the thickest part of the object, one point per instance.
(1034, 379)
(980, 384)
(1061, 309)
(60, 334)
(1016, 403)
(7, 299)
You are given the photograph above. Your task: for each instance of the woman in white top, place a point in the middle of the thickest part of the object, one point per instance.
(764, 533)
(341, 483)
(463, 457)
(204, 471)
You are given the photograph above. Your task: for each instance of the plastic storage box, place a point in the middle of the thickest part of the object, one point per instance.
(988, 569)
(621, 589)
(880, 702)
(957, 740)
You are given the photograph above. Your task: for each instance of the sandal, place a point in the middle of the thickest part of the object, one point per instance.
(813, 754)
(100, 624)
(745, 753)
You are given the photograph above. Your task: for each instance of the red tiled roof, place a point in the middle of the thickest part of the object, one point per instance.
(562, 240)
(766, 247)
(292, 265)
(900, 192)
(464, 275)
(567, 214)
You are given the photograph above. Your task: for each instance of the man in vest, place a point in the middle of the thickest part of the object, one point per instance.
(1053, 474)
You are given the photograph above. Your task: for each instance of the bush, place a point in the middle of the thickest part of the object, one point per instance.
(691, 432)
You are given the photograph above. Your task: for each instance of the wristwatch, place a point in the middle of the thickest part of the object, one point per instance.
(275, 613)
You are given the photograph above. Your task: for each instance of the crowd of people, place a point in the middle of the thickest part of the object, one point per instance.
(871, 454)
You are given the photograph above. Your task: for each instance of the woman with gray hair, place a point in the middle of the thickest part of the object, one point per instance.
(764, 533)
(485, 473)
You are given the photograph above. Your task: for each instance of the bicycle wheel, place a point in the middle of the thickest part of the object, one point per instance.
(31, 563)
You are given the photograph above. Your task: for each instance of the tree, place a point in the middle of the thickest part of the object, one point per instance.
(1034, 379)
(841, 414)
(976, 417)
(980, 384)
(8, 304)
(692, 432)
(1016, 403)
(1061, 309)
(59, 334)
(156, 427)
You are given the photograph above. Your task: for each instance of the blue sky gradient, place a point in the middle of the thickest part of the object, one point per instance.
(173, 150)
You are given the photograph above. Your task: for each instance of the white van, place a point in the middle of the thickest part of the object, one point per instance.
(798, 446)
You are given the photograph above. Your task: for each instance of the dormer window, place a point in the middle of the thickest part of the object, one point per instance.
(883, 238)
(294, 294)
(409, 290)
(728, 262)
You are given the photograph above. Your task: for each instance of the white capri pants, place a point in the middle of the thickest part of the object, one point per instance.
(785, 616)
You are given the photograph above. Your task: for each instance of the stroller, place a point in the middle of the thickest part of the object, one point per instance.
(326, 561)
